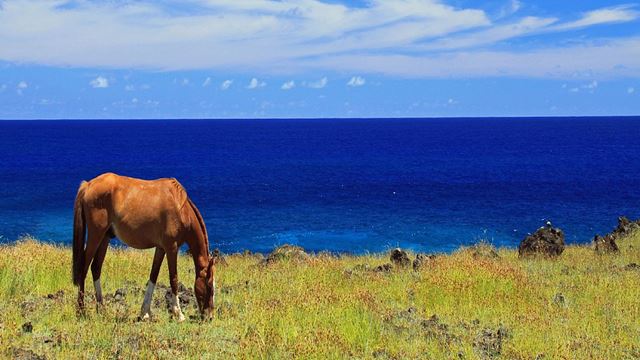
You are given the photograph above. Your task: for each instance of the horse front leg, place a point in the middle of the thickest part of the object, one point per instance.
(158, 257)
(172, 260)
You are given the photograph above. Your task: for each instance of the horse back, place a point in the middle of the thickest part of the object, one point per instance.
(139, 209)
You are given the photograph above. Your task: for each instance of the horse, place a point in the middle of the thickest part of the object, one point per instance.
(143, 214)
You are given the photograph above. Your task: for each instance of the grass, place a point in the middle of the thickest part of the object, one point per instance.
(580, 306)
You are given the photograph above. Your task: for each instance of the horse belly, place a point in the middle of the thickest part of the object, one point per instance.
(139, 235)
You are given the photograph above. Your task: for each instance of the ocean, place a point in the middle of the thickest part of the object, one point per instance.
(342, 185)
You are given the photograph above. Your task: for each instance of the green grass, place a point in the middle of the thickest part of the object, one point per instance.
(580, 306)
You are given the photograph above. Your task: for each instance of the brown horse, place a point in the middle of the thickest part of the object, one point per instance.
(143, 214)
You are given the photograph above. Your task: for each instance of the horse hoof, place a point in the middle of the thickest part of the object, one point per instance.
(144, 317)
(180, 317)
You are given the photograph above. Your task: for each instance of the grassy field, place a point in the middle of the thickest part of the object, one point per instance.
(580, 306)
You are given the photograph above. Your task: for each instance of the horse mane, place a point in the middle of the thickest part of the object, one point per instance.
(184, 199)
(203, 228)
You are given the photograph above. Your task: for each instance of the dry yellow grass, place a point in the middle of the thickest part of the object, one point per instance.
(579, 306)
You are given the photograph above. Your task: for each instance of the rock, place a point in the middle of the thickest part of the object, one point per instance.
(632, 266)
(606, 244)
(383, 268)
(488, 343)
(400, 258)
(546, 241)
(218, 258)
(435, 329)
(186, 296)
(483, 250)
(626, 227)
(286, 252)
(421, 260)
(120, 295)
(57, 295)
(27, 327)
(26, 354)
(559, 300)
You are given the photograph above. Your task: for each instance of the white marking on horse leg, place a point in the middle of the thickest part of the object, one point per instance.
(175, 308)
(145, 313)
(96, 285)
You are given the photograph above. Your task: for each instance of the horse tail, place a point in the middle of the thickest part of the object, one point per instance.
(79, 232)
(203, 228)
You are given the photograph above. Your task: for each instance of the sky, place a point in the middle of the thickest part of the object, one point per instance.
(88, 59)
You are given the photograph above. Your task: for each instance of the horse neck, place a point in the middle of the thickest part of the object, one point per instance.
(198, 246)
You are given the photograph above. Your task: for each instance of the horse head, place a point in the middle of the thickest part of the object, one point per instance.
(205, 289)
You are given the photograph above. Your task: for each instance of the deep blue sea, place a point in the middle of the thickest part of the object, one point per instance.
(348, 185)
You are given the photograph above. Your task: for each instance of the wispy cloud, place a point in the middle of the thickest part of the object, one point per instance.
(356, 81)
(296, 36)
(99, 82)
(206, 82)
(608, 15)
(226, 84)
(288, 85)
(631, 90)
(255, 83)
(318, 84)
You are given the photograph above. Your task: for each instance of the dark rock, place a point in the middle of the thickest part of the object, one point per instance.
(606, 244)
(56, 296)
(626, 227)
(483, 250)
(547, 241)
(632, 266)
(435, 329)
(400, 258)
(119, 295)
(421, 260)
(218, 258)
(286, 252)
(27, 327)
(382, 354)
(488, 344)
(559, 300)
(186, 296)
(26, 354)
(383, 268)
(28, 306)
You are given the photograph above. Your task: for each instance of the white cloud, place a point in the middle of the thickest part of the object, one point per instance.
(22, 85)
(318, 84)
(297, 36)
(631, 90)
(616, 14)
(288, 85)
(255, 83)
(99, 82)
(226, 84)
(510, 8)
(356, 81)
(129, 88)
(206, 82)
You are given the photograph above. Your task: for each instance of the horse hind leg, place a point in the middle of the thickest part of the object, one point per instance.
(172, 260)
(96, 266)
(158, 257)
(94, 239)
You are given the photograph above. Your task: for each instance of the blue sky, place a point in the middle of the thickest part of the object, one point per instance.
(313, 58)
